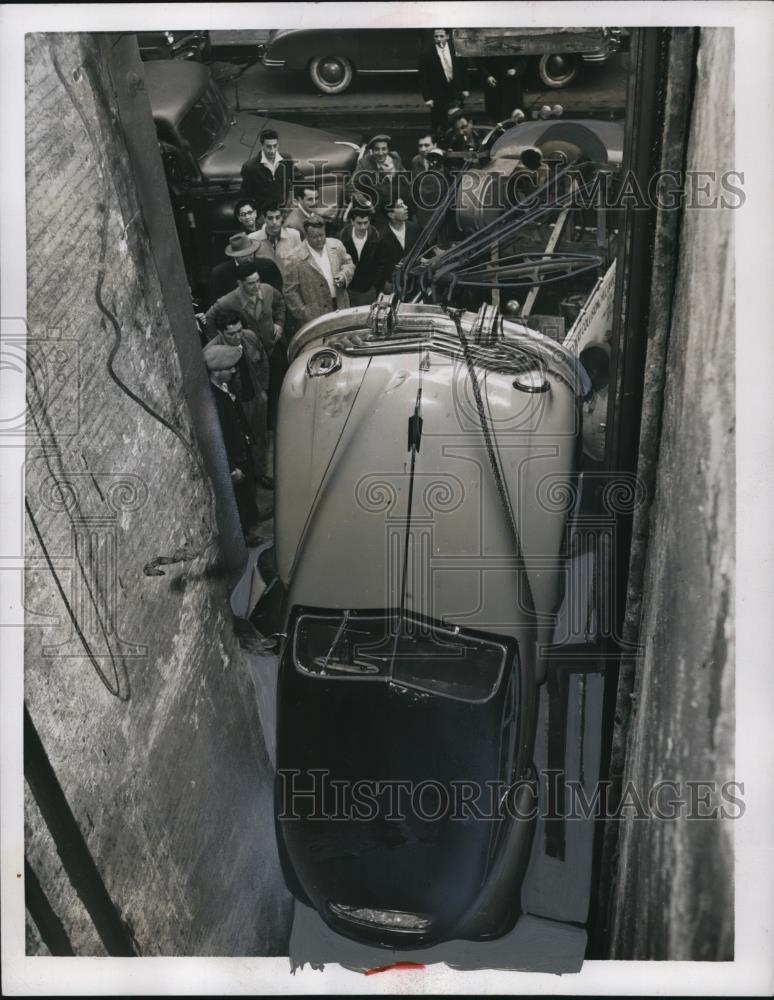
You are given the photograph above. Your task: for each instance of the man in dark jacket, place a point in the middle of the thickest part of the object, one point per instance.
(462, 136)
(420, 162)
(241, 252)
(222, 361)
(502, 80)
(268, 177)
(428, 190)
(250, 383)
(261, 309)
(362, 242)
(380, 175)
(396, 239)
(441, 80)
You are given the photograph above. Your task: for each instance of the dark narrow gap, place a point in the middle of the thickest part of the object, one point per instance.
(644, 117)
(555, 824)
(71, 846)
(49, 925)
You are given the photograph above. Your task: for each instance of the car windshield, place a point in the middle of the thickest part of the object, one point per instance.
(206, 123)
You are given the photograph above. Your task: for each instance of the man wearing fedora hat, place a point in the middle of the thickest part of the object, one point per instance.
(241, 251)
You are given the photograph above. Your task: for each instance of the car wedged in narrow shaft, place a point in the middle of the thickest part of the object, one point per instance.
(423, 457)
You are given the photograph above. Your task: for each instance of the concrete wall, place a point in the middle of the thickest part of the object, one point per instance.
(149, 719)
(674, 896)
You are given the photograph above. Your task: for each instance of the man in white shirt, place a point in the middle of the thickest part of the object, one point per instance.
(269, 176)
(441, 80)
(361, 241)
(317, 274)
(396, 239)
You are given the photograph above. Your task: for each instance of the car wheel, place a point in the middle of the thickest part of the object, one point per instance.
(331, 74)
(557, 69)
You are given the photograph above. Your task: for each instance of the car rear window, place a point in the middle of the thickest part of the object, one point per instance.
(419, 654)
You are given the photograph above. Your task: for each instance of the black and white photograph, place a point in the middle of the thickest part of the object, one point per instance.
(386, 491)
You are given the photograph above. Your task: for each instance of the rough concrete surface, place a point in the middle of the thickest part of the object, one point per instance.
(674, 896)
(154, 738)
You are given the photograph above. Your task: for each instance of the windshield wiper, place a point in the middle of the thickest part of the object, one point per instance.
(354, 666)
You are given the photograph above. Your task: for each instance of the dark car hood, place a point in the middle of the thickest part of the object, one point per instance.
(298, 142)
(361, 731)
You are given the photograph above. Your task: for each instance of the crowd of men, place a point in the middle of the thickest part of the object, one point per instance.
(292, 259)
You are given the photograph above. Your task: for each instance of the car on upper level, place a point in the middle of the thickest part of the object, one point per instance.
(204, 144)
(332, 58)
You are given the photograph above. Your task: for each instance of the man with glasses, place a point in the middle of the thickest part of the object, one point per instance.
(246, 215)
(396, 239)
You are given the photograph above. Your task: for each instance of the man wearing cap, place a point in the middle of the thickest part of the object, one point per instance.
(361, 241)
(441, 79)
(317, 274)
(269, 176)
(222, 362)
(396, 239)
(240, 252)
(273, 241)
(250, 382)
(379, 174)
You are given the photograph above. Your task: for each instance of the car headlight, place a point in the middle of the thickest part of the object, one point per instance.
(393, 920)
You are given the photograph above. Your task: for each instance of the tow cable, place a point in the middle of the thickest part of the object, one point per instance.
(525, 591)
